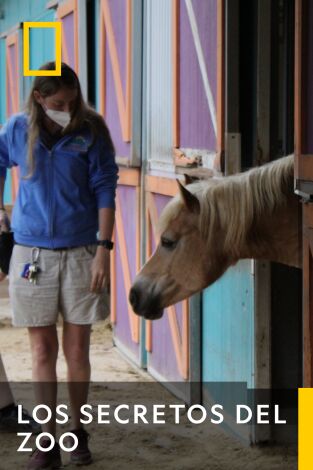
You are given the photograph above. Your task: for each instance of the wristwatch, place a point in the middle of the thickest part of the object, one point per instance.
(106, 243)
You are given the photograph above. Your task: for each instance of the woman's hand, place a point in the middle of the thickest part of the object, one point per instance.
(100, 270)
(4, 221)
(4, 227)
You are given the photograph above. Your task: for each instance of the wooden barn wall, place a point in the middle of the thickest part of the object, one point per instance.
(115, 55)
(67, 13)
(172, 343)
(304, 168)
(197, 74)
(41, 49)
(307, 70)
(69, 30)
(118, 98)
(167, 340)
(3, 104)
(41, 42)
(13, 90)
(227, 326)
(169, 354)
(2, 82)
(228, 332)
(18, 11)
(125, 265)
(158, 69)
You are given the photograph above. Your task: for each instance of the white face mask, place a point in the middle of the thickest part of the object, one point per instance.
(62, 118)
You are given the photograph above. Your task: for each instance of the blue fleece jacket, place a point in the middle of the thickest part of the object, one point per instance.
(58, 205)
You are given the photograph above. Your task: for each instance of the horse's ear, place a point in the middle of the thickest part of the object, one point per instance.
(190, 201)
(188, 179)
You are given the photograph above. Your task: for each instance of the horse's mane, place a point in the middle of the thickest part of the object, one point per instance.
(234, 202)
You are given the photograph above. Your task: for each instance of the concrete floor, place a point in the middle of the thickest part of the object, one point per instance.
(4, 289)
(4, 300)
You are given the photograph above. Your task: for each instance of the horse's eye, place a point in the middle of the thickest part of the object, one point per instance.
(167, 243)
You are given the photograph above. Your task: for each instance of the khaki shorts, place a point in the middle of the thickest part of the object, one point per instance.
(63, 286)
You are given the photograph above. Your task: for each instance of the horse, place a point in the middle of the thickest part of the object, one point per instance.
(210, 225)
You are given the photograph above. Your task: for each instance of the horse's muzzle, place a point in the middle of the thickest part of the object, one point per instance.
(144, 305)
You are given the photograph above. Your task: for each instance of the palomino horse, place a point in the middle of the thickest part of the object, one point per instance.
(210, 225)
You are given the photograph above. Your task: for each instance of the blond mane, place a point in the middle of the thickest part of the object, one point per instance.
(233, 203)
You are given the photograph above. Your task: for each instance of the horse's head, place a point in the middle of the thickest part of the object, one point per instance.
(181, 264)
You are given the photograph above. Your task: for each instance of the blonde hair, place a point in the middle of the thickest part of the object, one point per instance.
(83, 115)
(234, 203)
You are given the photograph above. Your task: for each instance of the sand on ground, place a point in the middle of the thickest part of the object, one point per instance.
(115, 446)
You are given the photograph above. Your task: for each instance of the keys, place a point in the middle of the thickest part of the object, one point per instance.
(31, 270)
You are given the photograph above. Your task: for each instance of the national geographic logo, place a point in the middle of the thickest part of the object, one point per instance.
(27, 25)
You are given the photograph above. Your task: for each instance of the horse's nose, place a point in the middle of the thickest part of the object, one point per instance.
(133, 298)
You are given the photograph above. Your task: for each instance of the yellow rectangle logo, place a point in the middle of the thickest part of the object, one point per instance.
(57, 25)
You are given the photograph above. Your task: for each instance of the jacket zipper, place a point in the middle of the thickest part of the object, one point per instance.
(51, 187)
(51, 184)
(50, 179)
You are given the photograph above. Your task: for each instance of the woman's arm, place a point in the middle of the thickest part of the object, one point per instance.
(2, 216)
(106, 224)
(103, 175)
(2, 180)
(101, 264)
(4, 219)
(4, 150)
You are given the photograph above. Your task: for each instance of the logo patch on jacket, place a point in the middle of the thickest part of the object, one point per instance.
(77, 144)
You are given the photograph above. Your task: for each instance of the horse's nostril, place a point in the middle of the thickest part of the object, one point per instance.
(133, 298)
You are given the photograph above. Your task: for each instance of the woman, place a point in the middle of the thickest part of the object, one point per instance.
(62, 220)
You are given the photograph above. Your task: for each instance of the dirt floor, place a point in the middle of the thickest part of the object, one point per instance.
(142, 447)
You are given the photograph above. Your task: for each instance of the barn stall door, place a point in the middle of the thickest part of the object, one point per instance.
(304, 168)
(115, 73)
(167, 340)
(41, 49)
(125, 264)
(41, 43)
(2, 81)
(73, 15)
(119, 85)
(197, 81)
(67, 12)
(227, 348)
(3, 113)
(12, 43)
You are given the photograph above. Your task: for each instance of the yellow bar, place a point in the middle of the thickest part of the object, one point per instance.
(58, 46)
(305, 420)
(26, 47)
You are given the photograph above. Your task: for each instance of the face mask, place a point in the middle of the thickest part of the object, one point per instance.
(62, 118)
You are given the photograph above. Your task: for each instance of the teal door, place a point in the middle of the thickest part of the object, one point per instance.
(228, 342)
(228, 326)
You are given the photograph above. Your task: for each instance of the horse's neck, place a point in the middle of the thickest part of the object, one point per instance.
(277, 236)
